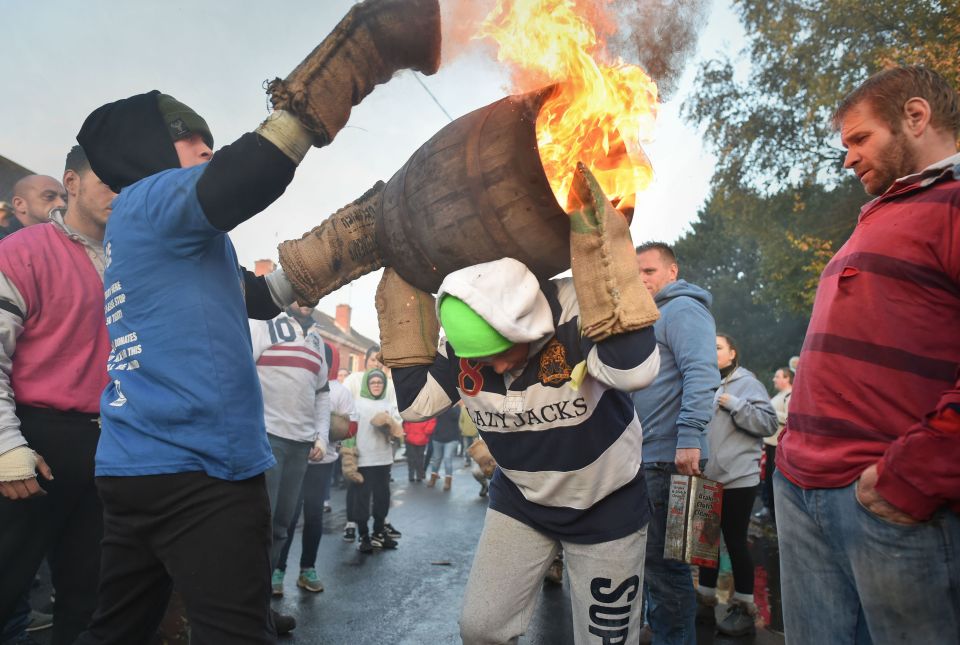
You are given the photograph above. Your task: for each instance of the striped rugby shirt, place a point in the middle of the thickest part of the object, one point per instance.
(563, 430)
(878, 375)
(293, 378)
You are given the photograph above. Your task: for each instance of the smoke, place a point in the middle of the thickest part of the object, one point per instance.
(659, 35)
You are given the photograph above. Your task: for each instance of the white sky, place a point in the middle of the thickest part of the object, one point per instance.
(63, 58)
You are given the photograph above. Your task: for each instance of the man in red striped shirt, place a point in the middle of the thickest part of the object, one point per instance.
(868, 483)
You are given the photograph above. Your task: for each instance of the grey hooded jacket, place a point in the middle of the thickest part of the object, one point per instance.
(736, 430)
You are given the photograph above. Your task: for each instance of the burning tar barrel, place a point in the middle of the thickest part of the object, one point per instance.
(473, 193)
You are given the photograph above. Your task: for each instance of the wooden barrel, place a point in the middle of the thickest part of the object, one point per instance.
(473, 193)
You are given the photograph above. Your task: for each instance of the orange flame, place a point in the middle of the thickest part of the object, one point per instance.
(602, 109)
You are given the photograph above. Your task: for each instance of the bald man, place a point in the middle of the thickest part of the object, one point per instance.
(34, 197)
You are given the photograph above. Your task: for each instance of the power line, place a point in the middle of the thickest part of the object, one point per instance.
(427, 90)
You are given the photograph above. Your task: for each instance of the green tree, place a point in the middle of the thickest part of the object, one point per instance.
(768, 120)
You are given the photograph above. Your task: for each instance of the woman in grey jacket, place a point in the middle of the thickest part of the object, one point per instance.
(742, 417)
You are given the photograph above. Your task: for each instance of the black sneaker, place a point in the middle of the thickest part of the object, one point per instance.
(284, 624)
(390, 531)
(349, 534)
(365, 546)
(381, 540)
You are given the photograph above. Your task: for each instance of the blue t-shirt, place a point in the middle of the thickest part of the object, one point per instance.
(183, 393)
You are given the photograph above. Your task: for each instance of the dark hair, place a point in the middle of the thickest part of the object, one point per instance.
(373, 349)
(666, 251)
(786, 372)
(733, 345)
(888, 91)
(77, 161)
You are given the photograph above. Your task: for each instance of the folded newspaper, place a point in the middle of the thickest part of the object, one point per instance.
(693, 520)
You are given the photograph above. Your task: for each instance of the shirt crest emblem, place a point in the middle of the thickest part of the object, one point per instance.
(554, 368)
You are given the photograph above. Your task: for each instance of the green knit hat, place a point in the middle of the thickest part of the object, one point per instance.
(181, 120)
(470, 335)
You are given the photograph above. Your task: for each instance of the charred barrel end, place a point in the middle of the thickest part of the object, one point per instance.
(373, 41)
(341, 249)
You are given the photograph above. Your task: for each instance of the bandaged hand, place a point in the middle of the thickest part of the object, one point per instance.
(18, 473)
(409, 330)
(318, 451)
(609, 290)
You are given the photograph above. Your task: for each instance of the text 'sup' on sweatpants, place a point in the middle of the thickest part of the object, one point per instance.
(605, 583)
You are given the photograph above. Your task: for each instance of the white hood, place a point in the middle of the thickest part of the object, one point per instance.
(505, 294)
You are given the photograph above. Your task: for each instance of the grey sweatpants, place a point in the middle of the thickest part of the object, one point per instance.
(605, 583)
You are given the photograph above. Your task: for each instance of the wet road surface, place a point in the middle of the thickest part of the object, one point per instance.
(412, 595)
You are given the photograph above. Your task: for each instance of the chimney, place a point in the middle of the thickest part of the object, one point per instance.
(263, 267)
(342, 319)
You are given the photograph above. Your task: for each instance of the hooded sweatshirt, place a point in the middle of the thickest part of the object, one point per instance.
(373, 445)
(561, 427)
(676, 408)
(736, 430)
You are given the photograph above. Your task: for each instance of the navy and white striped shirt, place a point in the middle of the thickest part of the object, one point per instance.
(563, 430)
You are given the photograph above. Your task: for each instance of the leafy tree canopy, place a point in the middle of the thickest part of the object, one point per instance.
(770, 127)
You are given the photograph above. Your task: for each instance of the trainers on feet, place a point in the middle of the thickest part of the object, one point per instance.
(739, 619)
(483, 489)
(381, 540)
(365, 546)
(349, 532)
(706, 606)
(392, 532)
(276, 583)
(284, 624)
(308, 580)
(39, 621)
(327, 508)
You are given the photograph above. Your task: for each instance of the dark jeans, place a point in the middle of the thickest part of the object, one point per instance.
(376, 485)
(284, 485)
(415, 462)
(66, 524)
(668, 584)
(211, 537)
(734, 522)
(316, 484)
(771, 467)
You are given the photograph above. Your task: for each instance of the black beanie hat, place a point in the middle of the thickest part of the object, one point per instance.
(131, 139)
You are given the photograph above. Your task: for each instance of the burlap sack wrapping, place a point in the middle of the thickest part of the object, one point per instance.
(340, 250)
(609, 290)
(479, 453)
(373, 41)
(348, 461)
(409, 330)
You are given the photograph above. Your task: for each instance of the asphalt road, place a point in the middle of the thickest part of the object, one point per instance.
(410, 596)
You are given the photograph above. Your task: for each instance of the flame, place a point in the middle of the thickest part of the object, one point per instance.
(602, 108)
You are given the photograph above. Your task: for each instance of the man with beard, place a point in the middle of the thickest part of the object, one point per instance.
(183, 447)
(53, 347)
(867, 484)
(34, 196)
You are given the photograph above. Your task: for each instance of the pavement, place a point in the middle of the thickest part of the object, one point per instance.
(412, 596)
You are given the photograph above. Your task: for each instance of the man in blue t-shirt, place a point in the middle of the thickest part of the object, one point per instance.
(183, 448)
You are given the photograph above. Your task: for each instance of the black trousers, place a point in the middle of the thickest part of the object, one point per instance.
(376, 485)
(66, 524)
(415, 463)
(734, 522)
(771, 468)
(209, 536)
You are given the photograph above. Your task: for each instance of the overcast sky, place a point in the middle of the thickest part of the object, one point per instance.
(62, 59)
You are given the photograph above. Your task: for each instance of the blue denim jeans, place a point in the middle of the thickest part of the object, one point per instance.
(850, 577)
(315, 490)
(668, 584)
(443, 451)
(284, 482)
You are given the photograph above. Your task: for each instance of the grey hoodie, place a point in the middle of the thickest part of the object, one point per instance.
(736, 430)
(675, 409)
